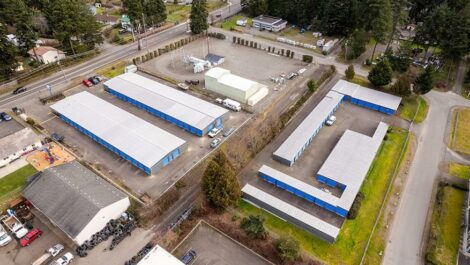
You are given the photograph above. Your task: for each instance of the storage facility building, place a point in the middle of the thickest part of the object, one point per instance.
(144, 145)
(75, 199)
(348, 164)
(223, 82)
(187, 112)
(274, 24)
(368, 98)
(291, 149)
(290, 213)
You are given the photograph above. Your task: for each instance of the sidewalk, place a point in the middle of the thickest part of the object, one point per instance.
(13, 166)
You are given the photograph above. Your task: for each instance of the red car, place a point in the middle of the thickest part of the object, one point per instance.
(87, 83)
(30, 237)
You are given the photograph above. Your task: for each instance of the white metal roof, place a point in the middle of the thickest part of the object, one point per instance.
(350, 160)
(158, 255)
(225, 77)
(292, 211)
(300, 136)
(16, 141)
(137, 138)
(366, 94)
(182, 106)
(299, 185)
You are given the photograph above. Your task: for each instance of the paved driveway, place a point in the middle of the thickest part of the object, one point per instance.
(405, 242)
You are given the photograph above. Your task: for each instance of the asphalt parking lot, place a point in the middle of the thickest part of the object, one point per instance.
(350, 117)
(213, 247)
(9, 127)
(124, 172)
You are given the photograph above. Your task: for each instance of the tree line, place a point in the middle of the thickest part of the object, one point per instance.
(70, 22)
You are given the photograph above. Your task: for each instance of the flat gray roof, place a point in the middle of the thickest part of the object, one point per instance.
(70, 195)
(366, 94)
(189, 109)
(267, 19)
(291, 211)
(350, 160)
(299, 185)
(16, 141)
(135, 137)
(301, 135)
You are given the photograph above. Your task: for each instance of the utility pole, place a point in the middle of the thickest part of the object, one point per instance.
(138, 38)
(60, 66)
(71, 46)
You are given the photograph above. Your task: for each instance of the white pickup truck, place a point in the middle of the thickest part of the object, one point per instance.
(4, 237)
(14, 225)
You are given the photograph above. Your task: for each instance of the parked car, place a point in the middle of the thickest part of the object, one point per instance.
(94, 80)
(194, 82)
(183, 86)
(19, 90)
(30, 237)
(55, 250)
(212, 133)
(4, 237)
(330, 120)
(4, 116)
(189, 257)
(219, 100)
(292, 75)
(87, 83)
(216, 142)
(57, 137)
(229, 131)
(64, 260)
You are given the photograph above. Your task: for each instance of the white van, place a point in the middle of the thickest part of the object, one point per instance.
(130, 69)
(232, 104)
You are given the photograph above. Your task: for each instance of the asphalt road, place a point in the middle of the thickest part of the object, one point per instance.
(407, 236)
(112, 54)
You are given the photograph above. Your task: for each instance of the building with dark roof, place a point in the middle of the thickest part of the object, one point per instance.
(274, 24)
(75, 199)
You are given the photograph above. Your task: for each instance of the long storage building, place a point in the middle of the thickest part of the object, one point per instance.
(291, 149)
(286, 211)
(187, 112)
(368, 98)
(144, 145)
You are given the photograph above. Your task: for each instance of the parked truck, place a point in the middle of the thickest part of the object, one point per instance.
(14, 225)
(232, 104)
(4, 237)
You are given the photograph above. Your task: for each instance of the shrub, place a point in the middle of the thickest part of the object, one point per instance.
(307, 58)
(350, 73)
(288, 249)
(253, 226)
(312, 86)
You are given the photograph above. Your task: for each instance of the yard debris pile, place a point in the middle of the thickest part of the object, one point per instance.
(144, 251)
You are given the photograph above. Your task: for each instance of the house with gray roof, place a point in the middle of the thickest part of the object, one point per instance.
(75, 199)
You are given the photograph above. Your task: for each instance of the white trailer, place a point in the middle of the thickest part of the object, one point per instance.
(232, 104)
(4, 237)
(14, 225)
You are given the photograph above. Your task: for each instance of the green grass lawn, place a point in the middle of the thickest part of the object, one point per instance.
(410, 105)
(362, 81)
(444, 240)
(351, 242)
(460, 136)
(459, 170)
(177, 13)
(12, 184)
(231, 23)
(112, 70)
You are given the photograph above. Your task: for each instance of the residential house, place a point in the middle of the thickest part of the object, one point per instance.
(46, 54)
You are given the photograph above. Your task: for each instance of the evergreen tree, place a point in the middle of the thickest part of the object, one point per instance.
(155, 12)
(339, 17)
(425, 81)
(356, 44)
(399, 16)
(402, 86)
(71, 21)
(198, 17)
(220, 184)
(134, 9)
(253, 226)
(256, 7)
(8, 52)
(381, 74)
(350, 73)
(379, 21)
(288, 249)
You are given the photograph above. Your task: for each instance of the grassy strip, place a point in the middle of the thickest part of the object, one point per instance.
(410, 105)
(112, 70)
(459, 170)
(12, 184)
(460, 137)
(354, 234)
(231, 23)
(444, 239)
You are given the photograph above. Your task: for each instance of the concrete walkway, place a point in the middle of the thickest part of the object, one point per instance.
(407, 236)
(13, 166)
